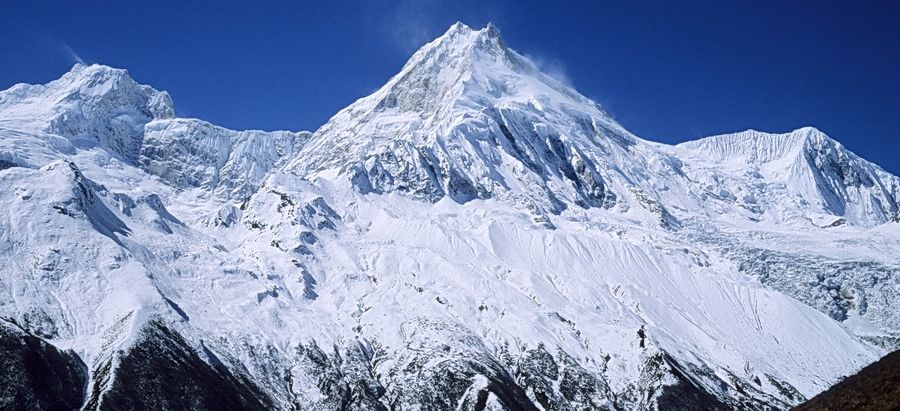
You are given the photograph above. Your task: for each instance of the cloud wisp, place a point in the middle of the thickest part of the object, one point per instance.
(72, 54)
(553, 68)
(413, 23)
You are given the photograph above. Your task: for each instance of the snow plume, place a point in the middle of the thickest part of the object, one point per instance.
(552, 67)
(72, 54)
(413, 23)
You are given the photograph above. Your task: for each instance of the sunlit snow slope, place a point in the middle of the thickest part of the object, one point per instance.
(473, 235)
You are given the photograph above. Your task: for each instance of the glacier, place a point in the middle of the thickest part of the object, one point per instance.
(473, 235)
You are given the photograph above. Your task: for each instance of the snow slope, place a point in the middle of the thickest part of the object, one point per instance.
(473, 235)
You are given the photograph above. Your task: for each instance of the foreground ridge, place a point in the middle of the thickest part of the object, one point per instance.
(876, 387)
(473, 235)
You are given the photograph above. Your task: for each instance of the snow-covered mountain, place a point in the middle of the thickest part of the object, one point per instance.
(88, 106)
(473, 235)
(797, 177)
(468, 118)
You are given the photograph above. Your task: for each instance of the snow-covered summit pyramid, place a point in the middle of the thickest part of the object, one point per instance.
(469, 118)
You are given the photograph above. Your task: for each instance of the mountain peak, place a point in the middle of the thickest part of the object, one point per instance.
(93, 80)
(826, 175)
(469, 118)
(461, 30)
(468, 67)
(89, 105)
(85, 87)
(94, 69)
(458, 27)
(757, 147)
(461, 43)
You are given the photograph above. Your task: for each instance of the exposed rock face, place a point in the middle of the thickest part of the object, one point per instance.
(36, 375)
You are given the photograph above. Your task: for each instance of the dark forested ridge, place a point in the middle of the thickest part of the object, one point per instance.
(875, 388)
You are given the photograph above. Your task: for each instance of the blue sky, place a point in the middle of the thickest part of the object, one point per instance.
(669, 71)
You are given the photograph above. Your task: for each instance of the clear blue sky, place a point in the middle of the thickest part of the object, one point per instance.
(668, 70)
